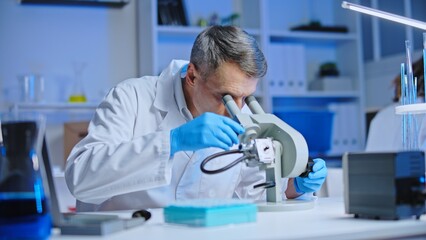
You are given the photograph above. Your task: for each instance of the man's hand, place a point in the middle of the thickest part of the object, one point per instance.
(207, 130)
(314, 180)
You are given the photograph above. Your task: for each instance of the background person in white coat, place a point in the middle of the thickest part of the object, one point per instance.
(385, 132)
(149, 135)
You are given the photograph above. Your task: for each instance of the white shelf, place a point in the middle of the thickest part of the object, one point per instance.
(192, 30)
(306, 35)
(417, 108)
(321, 94)
(58, 112)
(54, 106)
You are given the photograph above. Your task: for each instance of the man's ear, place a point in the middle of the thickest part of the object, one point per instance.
(191, 73)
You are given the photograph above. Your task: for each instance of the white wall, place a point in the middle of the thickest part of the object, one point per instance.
(47, 39)
(379, 75)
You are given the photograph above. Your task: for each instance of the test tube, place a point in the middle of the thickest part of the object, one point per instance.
(403, 85)
(1, 136)
(424, 62)
(409, 86)
(412, 96)
(403, 100)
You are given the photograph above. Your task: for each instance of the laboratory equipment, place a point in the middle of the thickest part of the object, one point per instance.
(273, 146)
(85, 224)
(384, 185)
(32, 88)
(384, 15)
(424, 60)
(389, 185)
(409, 96)
(77, 94)
(23, 204)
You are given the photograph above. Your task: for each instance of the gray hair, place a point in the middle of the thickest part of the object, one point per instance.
(218, 44)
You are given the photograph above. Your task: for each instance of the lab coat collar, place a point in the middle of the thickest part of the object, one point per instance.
(180, 96)
(166, 91)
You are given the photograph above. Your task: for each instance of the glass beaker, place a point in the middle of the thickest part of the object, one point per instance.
(23, 205)
(32, 88)
(77, 94)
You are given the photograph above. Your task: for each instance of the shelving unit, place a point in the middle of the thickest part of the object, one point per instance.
(269, 21)
(57, 112)
(54, 106)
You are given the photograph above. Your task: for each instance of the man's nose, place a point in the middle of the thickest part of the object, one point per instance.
(239, 102)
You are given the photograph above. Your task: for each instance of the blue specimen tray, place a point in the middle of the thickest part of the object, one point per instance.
(210, 212)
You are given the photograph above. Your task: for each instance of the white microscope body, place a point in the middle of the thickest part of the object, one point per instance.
(274, 146)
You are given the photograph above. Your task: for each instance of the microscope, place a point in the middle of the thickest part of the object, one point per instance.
(271, 145)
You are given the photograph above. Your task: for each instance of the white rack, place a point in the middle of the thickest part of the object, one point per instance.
(416, 108)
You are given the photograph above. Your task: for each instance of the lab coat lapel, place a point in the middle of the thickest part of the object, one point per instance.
(164, 97)
(165, 100)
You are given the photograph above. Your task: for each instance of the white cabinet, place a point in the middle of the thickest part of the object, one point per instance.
(303, 52)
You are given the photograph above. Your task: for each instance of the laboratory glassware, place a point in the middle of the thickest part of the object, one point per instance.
(78, 95)
(24, 211)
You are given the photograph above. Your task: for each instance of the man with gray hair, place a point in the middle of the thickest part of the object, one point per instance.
(149, 135)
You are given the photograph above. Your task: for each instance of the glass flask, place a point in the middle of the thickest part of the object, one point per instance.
(23, 205)
(77, 94)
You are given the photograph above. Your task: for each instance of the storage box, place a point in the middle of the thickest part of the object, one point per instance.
(331, 84)
(210, 212)
(73, 133)
(315, 126)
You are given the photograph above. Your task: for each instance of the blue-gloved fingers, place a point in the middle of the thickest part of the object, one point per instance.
(301, 186)
(173, 143)
(236, 127)
(305, 185)
(230, 134)
(318, 164)
(224, 137)
(313, 180)
(219, 145)
(322, 173)
(207, 130)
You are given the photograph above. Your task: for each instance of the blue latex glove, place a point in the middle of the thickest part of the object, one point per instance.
(315, 179)
(207, 130)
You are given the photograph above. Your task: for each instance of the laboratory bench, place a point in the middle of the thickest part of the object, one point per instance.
(327, 220)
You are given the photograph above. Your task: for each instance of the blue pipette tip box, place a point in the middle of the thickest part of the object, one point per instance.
(210, 212)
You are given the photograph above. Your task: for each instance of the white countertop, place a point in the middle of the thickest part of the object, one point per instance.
(326, 221)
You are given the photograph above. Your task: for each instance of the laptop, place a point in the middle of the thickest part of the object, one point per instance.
(81, 223)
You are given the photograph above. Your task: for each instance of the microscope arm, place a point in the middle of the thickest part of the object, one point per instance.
(294, 154)
(290, 151)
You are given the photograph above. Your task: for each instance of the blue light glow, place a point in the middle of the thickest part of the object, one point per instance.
(38, 192)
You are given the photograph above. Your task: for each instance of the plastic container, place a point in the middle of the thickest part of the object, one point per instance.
(315, 126)
(210, 212)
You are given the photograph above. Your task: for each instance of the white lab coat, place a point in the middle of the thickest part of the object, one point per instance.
(385, 132)
(124, 162)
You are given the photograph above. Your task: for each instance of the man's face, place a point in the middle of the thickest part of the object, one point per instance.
(228, 79)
